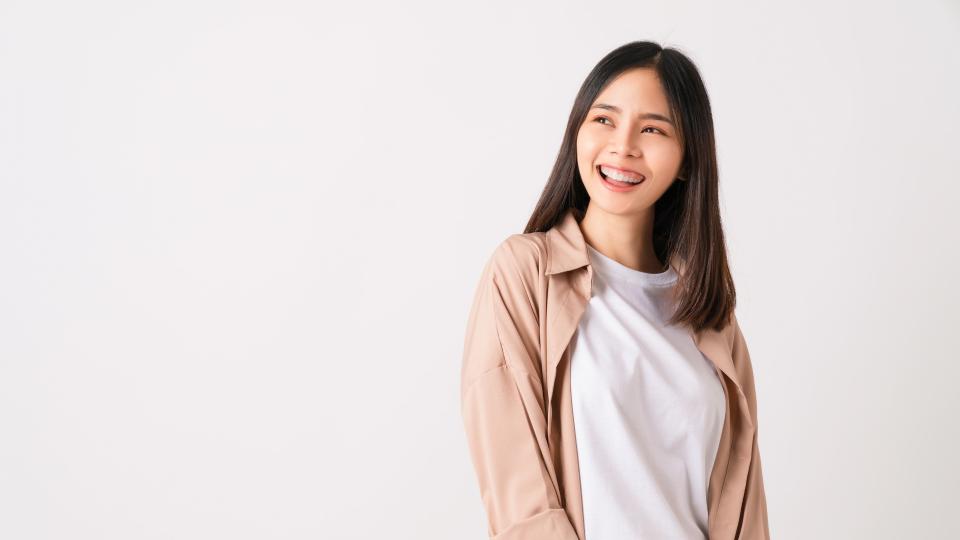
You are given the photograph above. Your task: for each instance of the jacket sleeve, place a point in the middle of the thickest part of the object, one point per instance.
(503, 412)
(754, 523)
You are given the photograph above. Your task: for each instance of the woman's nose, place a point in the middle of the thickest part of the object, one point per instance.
(624, 143)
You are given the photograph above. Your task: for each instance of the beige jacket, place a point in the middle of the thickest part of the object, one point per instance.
(517, 408)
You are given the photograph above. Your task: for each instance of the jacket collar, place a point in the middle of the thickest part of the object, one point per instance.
(568, 249)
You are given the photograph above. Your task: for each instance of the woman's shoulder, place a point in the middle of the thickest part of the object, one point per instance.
(524, 250)
(519, 258)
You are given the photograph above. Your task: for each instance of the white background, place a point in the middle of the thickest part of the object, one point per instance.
(239, 241)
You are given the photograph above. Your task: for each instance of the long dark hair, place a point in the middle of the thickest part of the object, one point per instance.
(687, 232)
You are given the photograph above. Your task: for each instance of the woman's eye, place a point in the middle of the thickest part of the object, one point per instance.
(602, 119)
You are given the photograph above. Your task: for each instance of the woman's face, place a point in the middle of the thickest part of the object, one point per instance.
(629, 127)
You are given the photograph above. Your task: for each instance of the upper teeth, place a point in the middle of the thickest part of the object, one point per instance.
(623, 177)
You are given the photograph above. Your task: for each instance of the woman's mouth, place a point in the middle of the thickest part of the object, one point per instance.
(616, 185)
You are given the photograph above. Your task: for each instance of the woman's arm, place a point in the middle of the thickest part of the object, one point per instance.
(502, 406)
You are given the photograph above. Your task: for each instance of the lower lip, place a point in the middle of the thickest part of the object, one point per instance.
(613, 186)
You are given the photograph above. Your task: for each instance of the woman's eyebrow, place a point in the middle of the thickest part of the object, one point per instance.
(651, 115)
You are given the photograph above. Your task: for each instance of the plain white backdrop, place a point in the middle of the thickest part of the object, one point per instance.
(239, 241)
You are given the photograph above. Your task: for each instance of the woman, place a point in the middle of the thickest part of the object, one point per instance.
(605, 394)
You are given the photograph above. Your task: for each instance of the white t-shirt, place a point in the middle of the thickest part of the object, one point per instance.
(648, 410)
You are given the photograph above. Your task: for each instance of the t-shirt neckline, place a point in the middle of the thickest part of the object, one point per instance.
(609, 267)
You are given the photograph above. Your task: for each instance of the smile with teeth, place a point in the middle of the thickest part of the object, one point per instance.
(625, 178)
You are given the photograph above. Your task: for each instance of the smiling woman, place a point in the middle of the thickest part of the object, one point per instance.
(607, 390)
(643, 113)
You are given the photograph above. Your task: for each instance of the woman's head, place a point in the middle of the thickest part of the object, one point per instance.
(629, 133)
(644, 108)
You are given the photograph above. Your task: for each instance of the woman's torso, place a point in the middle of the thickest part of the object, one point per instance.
(648, 409)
